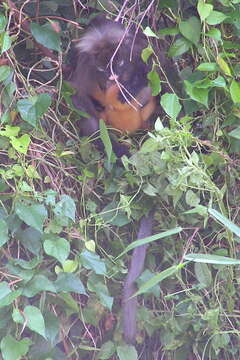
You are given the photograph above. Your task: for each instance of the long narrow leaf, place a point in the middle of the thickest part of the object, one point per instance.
(149, 239)
(159, 277)
(225, 221)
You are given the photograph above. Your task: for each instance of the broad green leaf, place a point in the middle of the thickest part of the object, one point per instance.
(219, 82)
(235, 133)
(6, 42)
(207, 67)
(158, 278)
(191, 29)
(92, 261)
(10, 131)
(155, 82)
(146, 53)
(33, 108)
(33, 215)
(4, 290)
(10, 298)
(225, 221)
(5, 71)
(31, 239)
(3, 232)
(204, 9)
(3, 22)
(65, 207)
(197, 94)
(46, 36)
(215, 34)
(215, 18)
(179, 47)
(106, 351)
(57, 247)
(52, 327)
(235, 91)
(21, 144)
(127, 352)
(211, 259)
(224, 66)
(68, 282)
(171, 105)
(70, 266)
(14, 350)
(38, 284)
(34, 320)
(96, 284)
(148, 32)
(149, 239)
(192, 198)
(203, 274)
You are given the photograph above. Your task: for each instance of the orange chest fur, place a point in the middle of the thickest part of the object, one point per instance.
(123, 116)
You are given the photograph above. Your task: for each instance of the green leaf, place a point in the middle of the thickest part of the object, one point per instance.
(155, 82)
(33, 215)
(179, 47)
(3, 22)
(148, 32)
(224, 66)
(215, 34)
(33, 108)
(4, 289)
(171, 105)
(34, 320)
(31, 239)
(191, 29)
(46, 36)
(146, 53)
(52, 327)
(65, 207)
(106, 351)
(68, 282)
(3, 232)
(14, 350)
(211, 259)
(203, 274)
(207, 67)
(5, 71)
(192, 199)
(92, 261)
(38, 284)
(169, 31)
(204, 9)
(235, 133)
(235, 91)
(127, 352)
(10, 131)
(158, 278)
(6, 42)
(106, 141)
(199, 95)
(225, 221)
(215, 18)
(21, 144)
(149, 239)
(57, 247)
(10, 298)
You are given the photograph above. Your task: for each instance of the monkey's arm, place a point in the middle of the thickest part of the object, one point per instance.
(135, 269)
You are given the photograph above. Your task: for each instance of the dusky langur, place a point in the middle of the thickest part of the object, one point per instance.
(107, 51)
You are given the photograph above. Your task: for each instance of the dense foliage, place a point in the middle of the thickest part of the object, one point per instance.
(67, 211)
